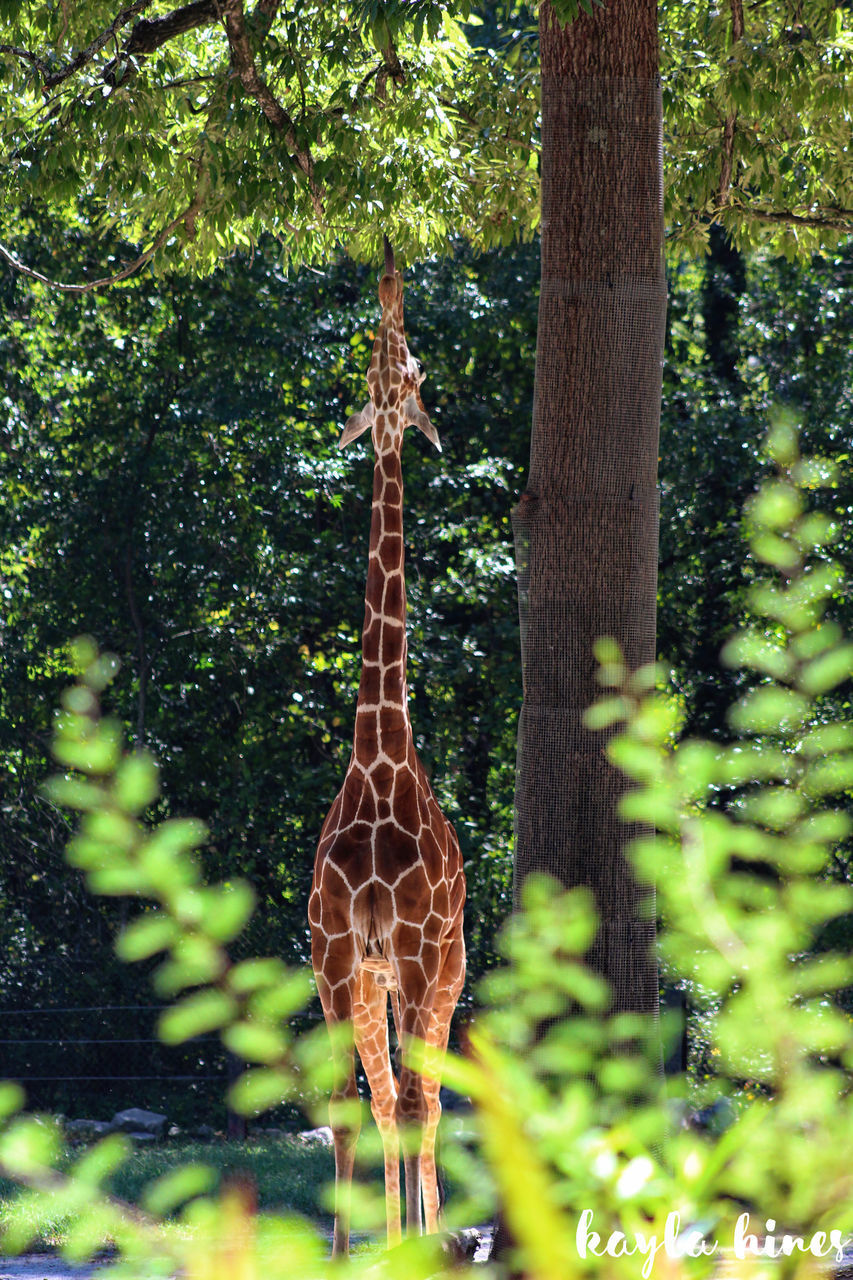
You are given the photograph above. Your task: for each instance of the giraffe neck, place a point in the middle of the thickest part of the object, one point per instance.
(382, 726)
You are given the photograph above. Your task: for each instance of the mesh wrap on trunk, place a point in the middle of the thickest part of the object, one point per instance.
(586, 530)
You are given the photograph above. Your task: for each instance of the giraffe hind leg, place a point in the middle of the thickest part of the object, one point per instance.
(345, 1123)
(449, 989)
(370, 1021)
(344, 1111)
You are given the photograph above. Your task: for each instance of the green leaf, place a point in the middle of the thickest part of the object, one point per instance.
(609, 657)
(165, 857)
(98, 754)
(101, 672)
(255, 1042)
(825, 777)
(277, 1003)
(75, 793)
(831, 826)
(89, 1226)
(606, 712)
(776, 808)
(113, 830)
(146, 936)
(827, 739)
(769, 709)
(827, 671)
(178, 1186)
(178, 835)
(12, 1098)
(249, 975)
(816, 530)
(754, 650)
(258, 1090)
(225, 910)
(815, 473)
(774, 550)
(79, 701)
(195, 960)
(810, 643)
(29, 1144)
(634, 758)
(776, 505)
(116, 881)
(136, 784)
(196, 1015)
(101, 1161)
(655, 805)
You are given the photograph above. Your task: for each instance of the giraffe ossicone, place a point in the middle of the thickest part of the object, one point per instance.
(388, 893)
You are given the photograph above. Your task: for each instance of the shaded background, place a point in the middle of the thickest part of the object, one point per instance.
(171, 485)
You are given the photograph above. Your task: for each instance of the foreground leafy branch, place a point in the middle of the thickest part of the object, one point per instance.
(597, 1172)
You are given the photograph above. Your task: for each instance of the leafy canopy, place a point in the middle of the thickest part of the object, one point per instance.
(197, 129)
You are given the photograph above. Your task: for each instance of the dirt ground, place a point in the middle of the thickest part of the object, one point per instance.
(42, 1266)
(47, 1266)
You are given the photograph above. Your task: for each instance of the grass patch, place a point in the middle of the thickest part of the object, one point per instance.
(288, 1175)
(290, 1179)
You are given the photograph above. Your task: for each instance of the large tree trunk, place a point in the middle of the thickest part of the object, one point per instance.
(586, 529)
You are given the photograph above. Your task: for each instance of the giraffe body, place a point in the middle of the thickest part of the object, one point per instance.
(388, 892)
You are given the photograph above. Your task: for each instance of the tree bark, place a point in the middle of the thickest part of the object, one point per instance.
(150, 33)
(586, 529)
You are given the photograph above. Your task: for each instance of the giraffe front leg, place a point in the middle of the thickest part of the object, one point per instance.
(343, 1117)
(337, 1001)
(391, 1150)
(371, 1039)
(411, 1114)
(415, 1007)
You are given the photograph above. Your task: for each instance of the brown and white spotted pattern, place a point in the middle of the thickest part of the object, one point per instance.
(388, 892)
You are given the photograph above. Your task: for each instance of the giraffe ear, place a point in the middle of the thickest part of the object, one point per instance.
(357, 424)
(416, 417)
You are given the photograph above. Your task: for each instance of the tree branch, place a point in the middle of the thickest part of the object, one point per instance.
(244, 65)
(731, 120)
(87, 54)
(269, 8)
(26, 56)
(150, 33)
(391, 67)
(842, 221)
(188, 217)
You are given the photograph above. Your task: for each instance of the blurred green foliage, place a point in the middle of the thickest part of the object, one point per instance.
(578, 1133)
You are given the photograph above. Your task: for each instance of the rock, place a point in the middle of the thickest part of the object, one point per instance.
(321, 1137)
(461, 1246)
(85, 1130)
(714, 1119)
(174, 1131)
(203, 1133)
(140, 1139)
(270, 1132)
(452, 1101)
(136, 1121)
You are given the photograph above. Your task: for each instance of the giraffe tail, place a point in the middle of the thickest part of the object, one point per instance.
(395, 1010)
(384, 976)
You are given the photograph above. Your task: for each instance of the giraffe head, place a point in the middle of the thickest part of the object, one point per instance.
(393, 380)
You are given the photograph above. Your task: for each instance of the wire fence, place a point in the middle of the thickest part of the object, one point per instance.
(92, 1061)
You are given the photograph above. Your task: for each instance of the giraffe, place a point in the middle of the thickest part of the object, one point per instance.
(388, 892)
